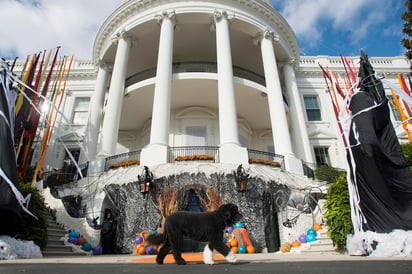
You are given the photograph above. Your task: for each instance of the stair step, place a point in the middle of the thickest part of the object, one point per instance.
(55, 226)
(64, 248)
(324, 241)
(56, 229)
(61, 254)
(55, 243)
(322, 246)
(320, 251)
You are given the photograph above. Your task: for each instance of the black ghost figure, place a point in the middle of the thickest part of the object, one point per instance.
(108, 233)
(382, 177)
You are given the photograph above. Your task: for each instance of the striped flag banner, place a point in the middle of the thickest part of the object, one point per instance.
(31, 117)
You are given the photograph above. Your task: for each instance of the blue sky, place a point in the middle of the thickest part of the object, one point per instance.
(323, 27)
(326, 27)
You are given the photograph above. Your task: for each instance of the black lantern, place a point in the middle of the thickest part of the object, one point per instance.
(145, 181)
(241, 178)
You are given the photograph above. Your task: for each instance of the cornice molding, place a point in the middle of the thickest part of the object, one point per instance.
(129, 9)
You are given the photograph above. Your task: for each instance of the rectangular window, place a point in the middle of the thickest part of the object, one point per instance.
(312, 107)
(394, 109)
(68, 164)
(270, 149)
(243, 141)
(322, 156)
(81, 111)
(195, 136)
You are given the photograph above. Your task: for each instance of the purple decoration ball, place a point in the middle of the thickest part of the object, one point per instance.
(302, 238)
(150, 250)
(97, 250)
(229, 229)
(72, 240)
(138, 240)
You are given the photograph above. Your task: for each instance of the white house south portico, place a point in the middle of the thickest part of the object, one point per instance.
(233, 33)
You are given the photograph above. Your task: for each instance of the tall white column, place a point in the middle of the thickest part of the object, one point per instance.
(89, 149)
(230, 150)
(156, 151)
(296, 110)
(110, 129)
(280, 129)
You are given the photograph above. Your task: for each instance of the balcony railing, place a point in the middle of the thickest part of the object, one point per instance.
(266, 158)
(124, 159)
(207, 67)
(194, 153)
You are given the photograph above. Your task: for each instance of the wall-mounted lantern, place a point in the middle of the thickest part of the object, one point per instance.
(145, 181)
(241, 178)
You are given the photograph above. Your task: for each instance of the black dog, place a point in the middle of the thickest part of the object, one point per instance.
(203, 227)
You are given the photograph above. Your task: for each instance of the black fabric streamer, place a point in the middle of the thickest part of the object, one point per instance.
(9, 206)
(383, 179)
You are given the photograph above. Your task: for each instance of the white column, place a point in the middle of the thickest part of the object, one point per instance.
(110, 129)
(297, 114)
(89, 149)
(156, 151)
(280, 129)
(230, 150)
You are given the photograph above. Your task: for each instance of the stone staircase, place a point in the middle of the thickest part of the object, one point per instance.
(55, 244)
(323, 245)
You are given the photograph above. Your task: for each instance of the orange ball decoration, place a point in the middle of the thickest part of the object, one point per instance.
(81, 240)
(250, 249)
(233, 243)
(295, 243)
(234, 249)
(140, 249)
(317, 227)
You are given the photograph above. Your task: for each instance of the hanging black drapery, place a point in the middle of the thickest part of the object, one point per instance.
(9, 205)
(377, 164)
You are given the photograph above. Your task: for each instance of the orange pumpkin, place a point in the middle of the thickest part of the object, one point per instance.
(317, 227)
(81, 240)
(295, 243)
(233, 243)
(140, 249)
(250, 249)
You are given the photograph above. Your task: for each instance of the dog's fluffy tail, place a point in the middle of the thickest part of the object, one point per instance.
(156, 239)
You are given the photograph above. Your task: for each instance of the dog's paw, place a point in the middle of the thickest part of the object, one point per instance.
(208, 255)
(231, 258)
(180, 261)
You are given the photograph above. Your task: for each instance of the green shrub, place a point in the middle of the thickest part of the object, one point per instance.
(327, 173)
(407, 152)
(32, 229)
(338, 212)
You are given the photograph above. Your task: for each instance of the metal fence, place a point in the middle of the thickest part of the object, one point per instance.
(194, 153)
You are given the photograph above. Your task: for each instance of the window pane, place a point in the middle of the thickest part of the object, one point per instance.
(243, 141)
(322, 156)
(312, 108)
(81, 104)
(80, 118)
(80, 110)
(196, 136)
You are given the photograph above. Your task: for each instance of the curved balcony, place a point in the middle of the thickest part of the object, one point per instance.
(207, 67)
(194, 153)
